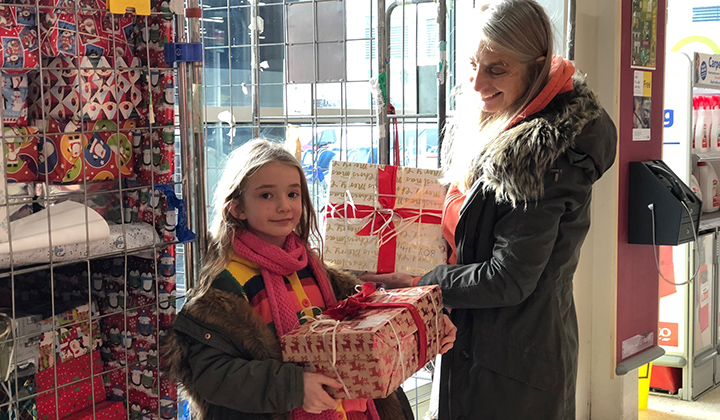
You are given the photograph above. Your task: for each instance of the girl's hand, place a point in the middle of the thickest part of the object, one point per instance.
(389, 280)
(448, 341)
(317, 399)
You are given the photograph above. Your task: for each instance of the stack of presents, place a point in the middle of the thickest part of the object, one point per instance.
(386, 219)
(88, 107)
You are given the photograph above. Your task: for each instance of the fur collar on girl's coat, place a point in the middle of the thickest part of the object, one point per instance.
(513, 165)
(233, 315)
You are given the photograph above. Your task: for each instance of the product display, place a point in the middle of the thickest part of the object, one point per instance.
(384, 218)
(371, 342)
(708, 181)
(87, 97)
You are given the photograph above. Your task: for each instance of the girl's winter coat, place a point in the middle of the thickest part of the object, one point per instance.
(229, 361)
(511, 293)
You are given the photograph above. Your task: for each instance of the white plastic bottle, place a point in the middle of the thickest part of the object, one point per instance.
(715, 124)
(708, 187)
(701, 132)
(695, 187)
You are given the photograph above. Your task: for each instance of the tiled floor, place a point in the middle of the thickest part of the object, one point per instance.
(707, 407)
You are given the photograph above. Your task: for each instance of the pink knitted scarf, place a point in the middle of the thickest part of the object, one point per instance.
(275, 263)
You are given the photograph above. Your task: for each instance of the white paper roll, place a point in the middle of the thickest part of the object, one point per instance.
(68, 222)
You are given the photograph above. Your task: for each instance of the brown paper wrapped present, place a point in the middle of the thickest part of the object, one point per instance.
(371, 342)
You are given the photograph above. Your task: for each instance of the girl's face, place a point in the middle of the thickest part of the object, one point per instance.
(498, 78)
(271, 203)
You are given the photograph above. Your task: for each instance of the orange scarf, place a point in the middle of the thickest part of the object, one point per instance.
(559, 81)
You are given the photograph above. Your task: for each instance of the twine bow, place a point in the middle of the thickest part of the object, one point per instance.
(349, 308)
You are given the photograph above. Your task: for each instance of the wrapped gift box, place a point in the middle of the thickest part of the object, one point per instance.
(384, 218)
(106, 410)
(99, 153)
(381, 339)
(75, 390)
(74, 338)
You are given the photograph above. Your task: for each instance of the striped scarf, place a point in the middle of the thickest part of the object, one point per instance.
(275, 263)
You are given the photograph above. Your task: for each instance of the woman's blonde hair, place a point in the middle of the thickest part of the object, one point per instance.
(522, 30)
(242, 163)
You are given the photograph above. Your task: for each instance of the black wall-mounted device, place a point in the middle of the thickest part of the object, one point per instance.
(654, 187)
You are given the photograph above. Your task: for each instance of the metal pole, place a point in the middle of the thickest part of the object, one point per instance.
(442, 75)
(192, 147)
(255, 67)
(570, 45)
(382, 117)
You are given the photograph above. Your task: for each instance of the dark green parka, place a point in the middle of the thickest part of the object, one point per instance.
(511, 292)
(229, 361)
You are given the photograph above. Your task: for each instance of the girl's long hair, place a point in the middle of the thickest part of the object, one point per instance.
(522, 30)
(242, 163)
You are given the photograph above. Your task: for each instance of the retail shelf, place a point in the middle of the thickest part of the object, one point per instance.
(706, 156)
(709, 221)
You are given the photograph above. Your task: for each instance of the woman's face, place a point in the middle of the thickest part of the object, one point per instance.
(498, 78)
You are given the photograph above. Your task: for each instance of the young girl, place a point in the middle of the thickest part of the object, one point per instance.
(259, 280)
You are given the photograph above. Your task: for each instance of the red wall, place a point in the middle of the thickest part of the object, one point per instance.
(637, 276)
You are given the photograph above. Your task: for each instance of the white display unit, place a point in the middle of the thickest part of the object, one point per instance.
(688, 315)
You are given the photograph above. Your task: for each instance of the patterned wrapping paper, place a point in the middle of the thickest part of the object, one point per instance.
(21, 154)
(97, 31)
(130, 327)
(75, 337)
(384, 218)
(162, 88)
(152, 33)
(72, 396)
(19, 38)
(101, 152)
(154, 156)
(375, 350)
(106, 410)
(102, 89)
(129, 236)
(15, 99)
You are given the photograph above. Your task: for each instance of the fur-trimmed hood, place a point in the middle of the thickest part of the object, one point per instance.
(513, 165)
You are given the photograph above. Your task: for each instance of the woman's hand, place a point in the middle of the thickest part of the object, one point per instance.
(448, 341)
(317, 399)
(389, 280)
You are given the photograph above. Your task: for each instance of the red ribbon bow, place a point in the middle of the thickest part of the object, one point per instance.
(348, 309)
